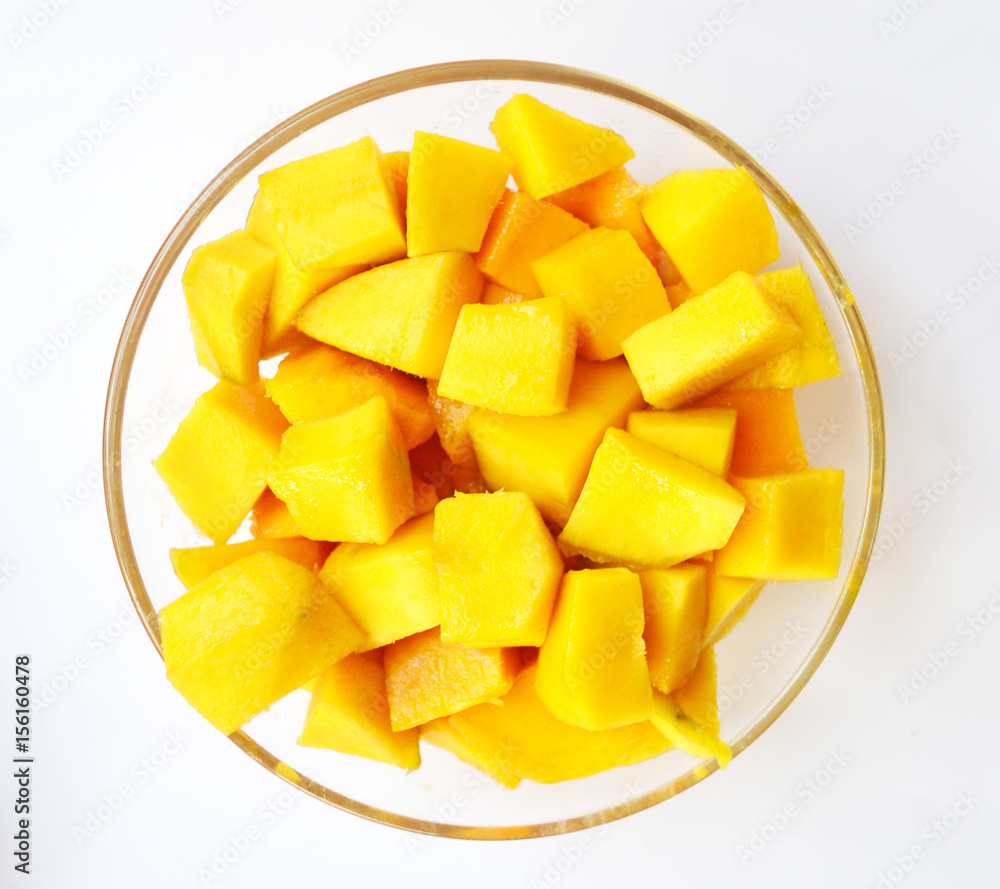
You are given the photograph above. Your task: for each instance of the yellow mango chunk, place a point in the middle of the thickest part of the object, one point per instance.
(520, 231)
(451, 420)
(499, 569)
(815, 358)
(316, 380)
(608, 284)
(704, 436)
(494, 293)
(389, 590)
(249, 634)
(515, 358)
(675, 601)
(336, 209)
(441, 733)
(269, 517)
(349, 713)
(591, 669)
(643, 507)
(711, 223)
(217, 461)
(729, 600)
(426, 678)
(708, 341)
(194, 564)
(227, 283)
(398, 165)
(452, 188)
(553, 151)
(548, 457)
(401, 314)
(346, 478)
(792, 527)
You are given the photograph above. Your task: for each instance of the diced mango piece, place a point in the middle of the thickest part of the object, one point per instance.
(270, 517)
(702, 435)
(426, 678)
(336, 209)
(441, 733)
(792, 527)
(729, 600)
(711, 223)
(767, 431)
(349, 712)
(217, 461)
(815, 358)
(548, 457)
(678, 293)
(643, 507)
(430, 463)
(708, 341)
(452, 188)
(591, 669)
(608, 284)
(675, 601)
(494, 293)
(522, 230)
(389, 590)
(686, 734)
(316, 380)
(499, 569)
(194, 564)
(346, 478)
(553, 151)
(515, 358)
(398, 165)
(698, 697)
(451, 419)
(249, 634)
(401, 314)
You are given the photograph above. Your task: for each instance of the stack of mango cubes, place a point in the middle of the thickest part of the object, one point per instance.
(529, 455)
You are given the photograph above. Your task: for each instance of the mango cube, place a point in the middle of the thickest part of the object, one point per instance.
(269, 517)
(499, 765)
(643, 507)
(401, 314)
(675, 601)
(346, 478)
(708, 341)
(216, 464)
(426, 678)
(711, 223)
(703, 436)
(398, 165)
(515, 358)
(729, 600)
(249, 634)
(316, 380)
(499, 569)
(608, 284)
(451, 420)
(452, 188)
(553, 151)
(792, 527)
(591, 669)
(494, 293)
(349, 712)
(194, 564)
(389, 590)
(548, 457)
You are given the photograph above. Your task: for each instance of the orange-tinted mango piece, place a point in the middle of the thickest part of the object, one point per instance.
(430, 463)
(194, 564)
(494, 293)
(441, 733)
(398, 164)
(675, 601)
(451, 421)
(270, 517)
(704, 436)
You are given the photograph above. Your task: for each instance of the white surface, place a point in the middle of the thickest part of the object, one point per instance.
(223, 72)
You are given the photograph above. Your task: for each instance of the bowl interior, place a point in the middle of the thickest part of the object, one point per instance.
(762, 664)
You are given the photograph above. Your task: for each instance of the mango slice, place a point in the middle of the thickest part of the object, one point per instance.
(217, 461)
(389, 590)
(249, 634)
(708, 341)
(791, 529)
(335, 209)
(269, 517)
(548, 457)
(349, 712)
(711, 223)
(194, 564)
(346, 478)
(608, 284)
(451, 420)
(401, 314)
(515, 358)
(675, 602)
(441, 733)
(729, 599)
(643, 507)
(499, 569)
(316, 380)
(426, 678)
(452, 188)
(591, 669)
(553, 151)
(522, 230)
(704, 436)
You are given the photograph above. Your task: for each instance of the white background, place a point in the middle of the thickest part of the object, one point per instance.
(223, 73)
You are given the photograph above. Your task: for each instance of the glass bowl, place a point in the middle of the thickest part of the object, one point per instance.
(763, 664)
